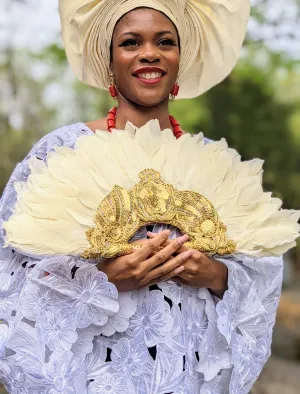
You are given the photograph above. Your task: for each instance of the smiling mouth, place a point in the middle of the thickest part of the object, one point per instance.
(149, 76)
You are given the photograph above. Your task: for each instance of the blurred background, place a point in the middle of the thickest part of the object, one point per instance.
(257, 109)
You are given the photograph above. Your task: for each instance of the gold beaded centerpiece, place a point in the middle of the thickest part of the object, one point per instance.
(122, 213)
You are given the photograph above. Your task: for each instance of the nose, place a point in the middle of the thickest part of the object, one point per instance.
(149, 54)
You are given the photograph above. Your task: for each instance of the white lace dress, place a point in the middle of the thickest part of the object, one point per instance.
(71, 332)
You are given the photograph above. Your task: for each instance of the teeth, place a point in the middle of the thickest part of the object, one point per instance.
(150, 75)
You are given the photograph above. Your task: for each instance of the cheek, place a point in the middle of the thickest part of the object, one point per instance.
(174, 59)
(173, 64)
(122, 65)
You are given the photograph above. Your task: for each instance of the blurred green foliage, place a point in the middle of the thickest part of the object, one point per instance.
(245, 111)
(257, 108)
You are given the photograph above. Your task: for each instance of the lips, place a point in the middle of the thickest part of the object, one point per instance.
(149, 75)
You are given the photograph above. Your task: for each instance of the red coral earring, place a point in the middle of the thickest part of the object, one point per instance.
(175, 91)
(112, 89)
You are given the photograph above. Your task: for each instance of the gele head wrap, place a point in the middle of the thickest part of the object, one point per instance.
(211, 34)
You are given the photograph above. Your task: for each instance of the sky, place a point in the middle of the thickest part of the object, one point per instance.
(33, 24)
(36, 23)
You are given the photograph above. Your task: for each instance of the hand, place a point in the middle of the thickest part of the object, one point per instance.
(146, 266)
(201, 271)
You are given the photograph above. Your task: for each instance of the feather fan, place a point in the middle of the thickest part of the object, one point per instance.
(58, 203)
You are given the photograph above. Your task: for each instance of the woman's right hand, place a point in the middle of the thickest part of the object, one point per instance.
(147, 266)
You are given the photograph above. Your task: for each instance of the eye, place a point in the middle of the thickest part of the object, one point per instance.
(167, 42)
(130, 42)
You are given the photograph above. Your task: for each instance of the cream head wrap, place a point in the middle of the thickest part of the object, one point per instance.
(211, 34)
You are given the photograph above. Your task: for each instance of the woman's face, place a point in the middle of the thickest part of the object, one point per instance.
(145, 56)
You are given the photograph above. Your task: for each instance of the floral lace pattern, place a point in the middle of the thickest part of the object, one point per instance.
(71, 332)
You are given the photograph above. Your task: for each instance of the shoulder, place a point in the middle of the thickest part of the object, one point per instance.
(63, 136)
(99, 124)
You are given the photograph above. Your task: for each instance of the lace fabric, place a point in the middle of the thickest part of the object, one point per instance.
(71, 332)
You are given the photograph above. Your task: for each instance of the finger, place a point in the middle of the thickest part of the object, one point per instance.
(172, 275)
(136, 245)
(161, 256)
(151, 235)
(168, 241)
(166, 268)
(151, 246)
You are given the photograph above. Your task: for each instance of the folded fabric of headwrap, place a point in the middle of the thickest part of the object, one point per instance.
(211, 34)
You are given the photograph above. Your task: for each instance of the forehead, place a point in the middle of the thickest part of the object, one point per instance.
(144, 19)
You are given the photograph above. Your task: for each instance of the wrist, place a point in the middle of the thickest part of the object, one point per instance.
(219, 281)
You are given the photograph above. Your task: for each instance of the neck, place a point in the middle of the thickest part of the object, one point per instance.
(139, 116)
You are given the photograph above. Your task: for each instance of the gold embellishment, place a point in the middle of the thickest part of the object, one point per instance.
(122, 213)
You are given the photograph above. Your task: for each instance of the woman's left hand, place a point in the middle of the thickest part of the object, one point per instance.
(202, 271)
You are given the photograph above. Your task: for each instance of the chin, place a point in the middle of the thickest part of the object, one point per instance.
(151, 101)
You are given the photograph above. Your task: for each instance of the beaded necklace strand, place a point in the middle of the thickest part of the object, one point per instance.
(111, 123)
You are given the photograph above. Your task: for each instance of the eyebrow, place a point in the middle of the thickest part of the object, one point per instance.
(160, 33)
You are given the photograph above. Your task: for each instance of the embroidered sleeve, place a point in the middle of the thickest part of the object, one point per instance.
(236, 332)
(239, 333)
(52, 308)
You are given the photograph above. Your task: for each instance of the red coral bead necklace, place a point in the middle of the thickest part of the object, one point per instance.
(111, 123)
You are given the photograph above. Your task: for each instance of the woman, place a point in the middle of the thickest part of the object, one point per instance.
(209, 329)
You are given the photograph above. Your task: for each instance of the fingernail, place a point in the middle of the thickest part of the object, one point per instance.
(187, 255)
(182, 240)
(179, 270)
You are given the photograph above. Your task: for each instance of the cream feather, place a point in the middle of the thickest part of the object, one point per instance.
(57, 204)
